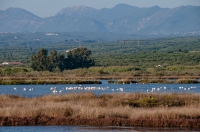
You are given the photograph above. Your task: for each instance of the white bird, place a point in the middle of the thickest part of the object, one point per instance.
(31, 89)
(54, 91)
(153, 89)
(121, 89)
(24, 89)
(158, 89)
(15, 88)
(53, 88)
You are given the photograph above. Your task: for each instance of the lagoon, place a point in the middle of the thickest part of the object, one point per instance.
(30, 91)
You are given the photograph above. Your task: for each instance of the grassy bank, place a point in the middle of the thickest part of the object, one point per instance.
(111, 80)
(182, 109)
(24, 81)
(92, 75)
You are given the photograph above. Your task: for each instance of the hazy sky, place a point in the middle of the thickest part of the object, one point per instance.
(44, 8)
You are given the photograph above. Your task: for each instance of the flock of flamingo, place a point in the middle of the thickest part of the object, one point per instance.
(93, 88)
(80, 88)
(165, 88)
(24, 89)
(76, 88)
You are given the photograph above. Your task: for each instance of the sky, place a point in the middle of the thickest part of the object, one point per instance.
(46, 8)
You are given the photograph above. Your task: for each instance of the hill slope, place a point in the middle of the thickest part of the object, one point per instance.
(122, 18)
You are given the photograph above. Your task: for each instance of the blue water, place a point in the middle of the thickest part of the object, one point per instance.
(90, 129)
(104, 88)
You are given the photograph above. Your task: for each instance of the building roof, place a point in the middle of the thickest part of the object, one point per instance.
(11, 63)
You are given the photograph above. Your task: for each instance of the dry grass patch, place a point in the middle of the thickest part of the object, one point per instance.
(88, 105)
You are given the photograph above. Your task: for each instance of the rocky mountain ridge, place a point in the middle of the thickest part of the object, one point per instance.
(122, 18)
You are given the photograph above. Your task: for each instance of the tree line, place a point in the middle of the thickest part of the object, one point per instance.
(76, 58)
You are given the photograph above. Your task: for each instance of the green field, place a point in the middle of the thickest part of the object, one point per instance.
(171, 56)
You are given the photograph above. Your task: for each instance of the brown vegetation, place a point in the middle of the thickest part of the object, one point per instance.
(126, 109)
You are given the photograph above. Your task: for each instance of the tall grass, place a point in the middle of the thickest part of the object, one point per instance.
(88, 105)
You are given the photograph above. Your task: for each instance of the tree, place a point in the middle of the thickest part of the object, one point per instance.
(56, 61)
(79, 58)
(61, 62)
(39, 62)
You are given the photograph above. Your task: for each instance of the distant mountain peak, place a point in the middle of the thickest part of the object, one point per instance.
(14, 13)
(81, 7)
(76, 9)
(156, 6)
(14, 9)
(122, 18)
(122, 5)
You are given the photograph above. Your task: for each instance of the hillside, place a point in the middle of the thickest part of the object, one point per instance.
(122, 18)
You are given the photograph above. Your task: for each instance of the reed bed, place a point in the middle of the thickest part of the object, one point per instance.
(95, 79)
(89, 105)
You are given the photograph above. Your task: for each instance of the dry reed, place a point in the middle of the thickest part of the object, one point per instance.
(88, 105)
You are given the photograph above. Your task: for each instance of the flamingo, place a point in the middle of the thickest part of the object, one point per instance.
(121, 89)
(60, 91)
(54, 91)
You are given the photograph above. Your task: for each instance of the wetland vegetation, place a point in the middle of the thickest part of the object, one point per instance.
(119, 109)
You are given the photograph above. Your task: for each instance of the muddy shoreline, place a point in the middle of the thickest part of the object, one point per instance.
(48, 121)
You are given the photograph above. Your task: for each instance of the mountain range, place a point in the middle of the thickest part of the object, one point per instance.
(122, 18)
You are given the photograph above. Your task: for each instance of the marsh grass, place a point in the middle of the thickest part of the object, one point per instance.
(15, 82)
(120, 105)
(187, 81)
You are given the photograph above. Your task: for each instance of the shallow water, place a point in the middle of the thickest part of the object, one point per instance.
(90, 129)
(104, 88)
